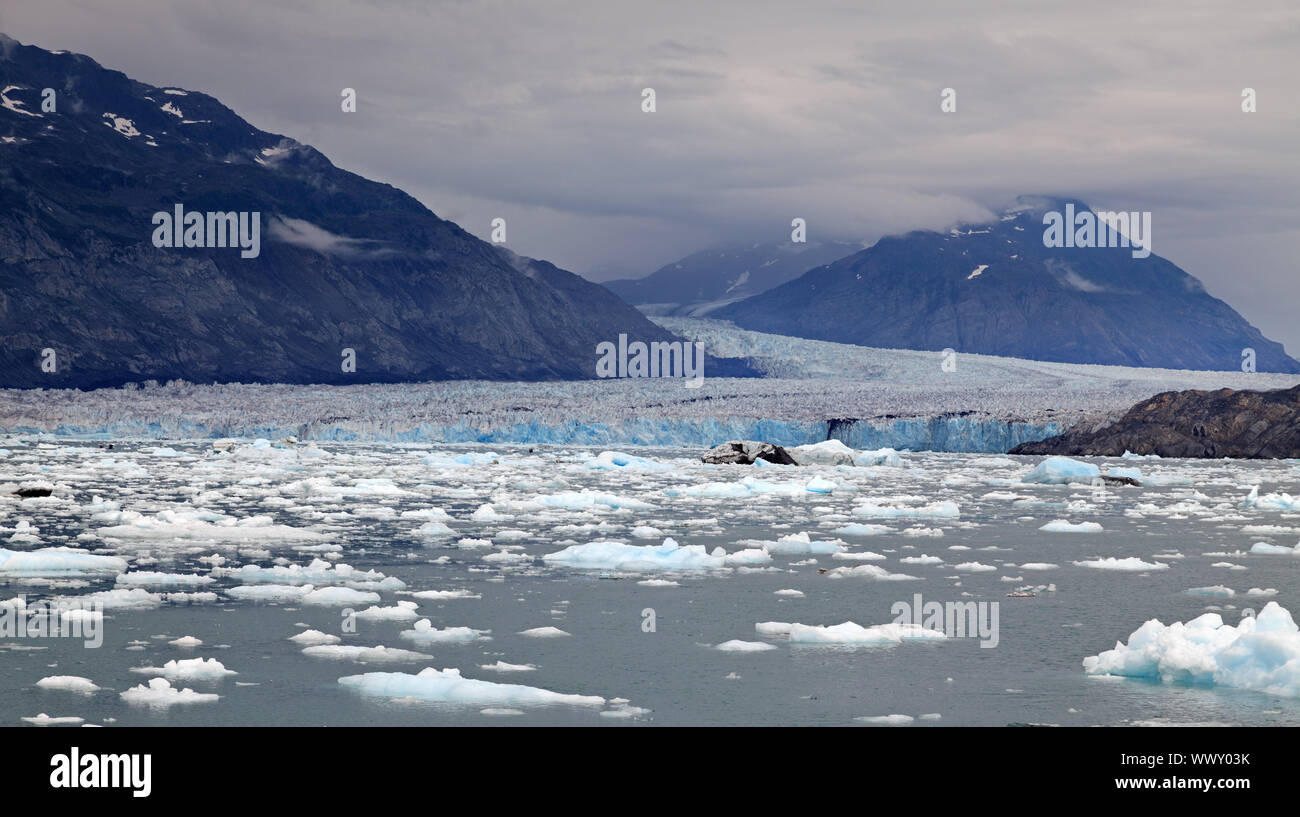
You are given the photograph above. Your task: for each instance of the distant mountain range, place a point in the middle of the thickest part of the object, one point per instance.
(704, 281)
(996, 289)
(342, 263)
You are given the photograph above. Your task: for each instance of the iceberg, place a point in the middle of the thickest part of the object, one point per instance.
(56, 561)
(447, 686)
(1262, 653)
(1062, 471)
(605, 555)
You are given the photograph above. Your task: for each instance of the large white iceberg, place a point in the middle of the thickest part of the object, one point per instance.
(1062, 471)
(1262, 653)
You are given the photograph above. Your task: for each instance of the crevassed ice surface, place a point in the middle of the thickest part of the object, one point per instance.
(869, 398)
(413, 584)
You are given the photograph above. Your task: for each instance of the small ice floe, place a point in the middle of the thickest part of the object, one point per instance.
(270, 592)
(434, 528)
(849, 633)
(736, 645)
(186, 642)
(56, 561)
(149, 578)
(1038, 566)
(159, 693)
(69, 683)
(1270, 502)
(444, 595)
(183, 524)
(875, 572)
(1065, 526)
(402, 611)
(974, 567)
(312, 638)
(188, 669)
(617, 460)
(502, 666)
(935, 510)
(1261, 593)
(447, 686)
(659, 583)
(364, 655)
(425, 633)
(885, 720)
(622, 708)
(789, 592)
(1130, 564)
(500, 712)
(48, 720)
(1062, 471)
(338, 597)
(1261, 653)
(860, 556)
(1275, 550)
(859, 529)
(609, 555)
(544, 632)
(1217, 591)
(923, 559)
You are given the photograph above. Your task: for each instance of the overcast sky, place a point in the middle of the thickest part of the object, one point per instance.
(766, 111)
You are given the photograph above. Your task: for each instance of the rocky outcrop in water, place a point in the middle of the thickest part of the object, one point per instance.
(1225, 423)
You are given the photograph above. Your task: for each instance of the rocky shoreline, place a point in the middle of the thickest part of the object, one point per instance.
(1242, 424)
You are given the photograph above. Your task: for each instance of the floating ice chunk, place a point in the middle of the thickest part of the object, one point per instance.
(935, 510)
(852, 633)
(544, 632)
(202, 525)
(447, 686)
(659, 583)
(646, 532)
(1275, 550)
(975, 567)
(502, 666)
(445, 595)
(923, 559)
(1061, 471)
(434, 528)
(1261, 653)
(613, 460)
(1270, 502)
(159, 693)
(402, 611)
(745, 646)
(587, 499)
(136, 598)
(462, 460)
(1213, 591)
(669, 556)
(1065, 526)
(859, 529)
(1134, 474)
(56, 561)
(859, 556)
(894, 720)
(875, 572)
(69, 683)
(188, 669)
(270, 592)
(339, 597)
(749, 556)
(312, 638)
(365, 655)
(186, 642)
(1130, 564)
(791, 593)
(425, 633)
(147, 578)
(829, 452)
(802, 543)
(49, 720)
(1261, 593)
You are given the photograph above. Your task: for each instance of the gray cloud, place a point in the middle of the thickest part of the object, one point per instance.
(766, 111)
